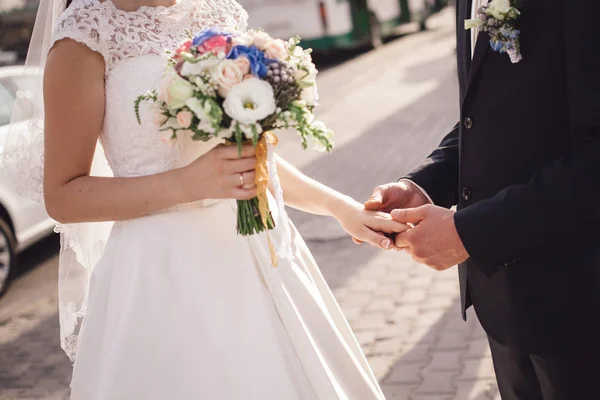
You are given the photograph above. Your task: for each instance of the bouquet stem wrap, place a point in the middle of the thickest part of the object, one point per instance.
(268, 139)
(254, 215)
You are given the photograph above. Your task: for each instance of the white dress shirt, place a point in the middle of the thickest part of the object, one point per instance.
(475, 31)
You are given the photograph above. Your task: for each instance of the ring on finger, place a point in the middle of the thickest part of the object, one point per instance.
(242, 182)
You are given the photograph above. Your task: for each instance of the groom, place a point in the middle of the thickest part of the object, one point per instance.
(523, 167)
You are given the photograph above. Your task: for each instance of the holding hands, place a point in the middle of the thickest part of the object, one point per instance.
(432, 238)
(374, 227)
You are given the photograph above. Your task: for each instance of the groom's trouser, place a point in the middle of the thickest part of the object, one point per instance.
(563, 374)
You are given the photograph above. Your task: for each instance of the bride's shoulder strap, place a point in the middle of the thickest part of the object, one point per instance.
(81, 22)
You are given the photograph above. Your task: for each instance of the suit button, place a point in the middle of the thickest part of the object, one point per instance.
(466, 194)
(468, 123)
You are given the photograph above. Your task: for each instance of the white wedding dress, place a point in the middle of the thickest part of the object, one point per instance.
(181, 307)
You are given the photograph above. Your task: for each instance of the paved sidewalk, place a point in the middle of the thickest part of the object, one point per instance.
(406, 316)
(389, 108)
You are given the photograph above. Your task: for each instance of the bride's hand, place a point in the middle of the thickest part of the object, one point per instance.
(222, 174)
(368, 226)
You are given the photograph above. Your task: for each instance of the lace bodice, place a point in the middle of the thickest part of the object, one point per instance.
(121, 35)
(133, 46)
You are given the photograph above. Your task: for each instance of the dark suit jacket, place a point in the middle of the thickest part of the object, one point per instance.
(523, 167)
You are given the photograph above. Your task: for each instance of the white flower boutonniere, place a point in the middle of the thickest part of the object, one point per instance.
(498, 19)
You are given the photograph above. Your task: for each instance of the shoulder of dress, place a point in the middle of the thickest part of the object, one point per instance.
(230, 13)
(81, 22)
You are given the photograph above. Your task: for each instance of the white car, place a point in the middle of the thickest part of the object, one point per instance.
(22, 220)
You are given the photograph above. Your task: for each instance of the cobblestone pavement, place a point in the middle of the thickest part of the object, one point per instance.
(389, 108)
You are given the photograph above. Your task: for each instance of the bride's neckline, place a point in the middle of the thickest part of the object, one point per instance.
(141, 9)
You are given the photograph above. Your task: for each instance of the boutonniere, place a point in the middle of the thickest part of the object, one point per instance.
(498, 19)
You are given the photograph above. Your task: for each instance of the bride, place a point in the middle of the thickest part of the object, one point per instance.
(178, 306)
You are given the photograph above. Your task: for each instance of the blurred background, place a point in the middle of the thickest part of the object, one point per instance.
(388, 89)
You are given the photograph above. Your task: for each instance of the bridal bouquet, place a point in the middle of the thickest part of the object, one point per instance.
(240, 86)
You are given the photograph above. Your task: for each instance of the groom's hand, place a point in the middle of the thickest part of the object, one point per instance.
(434, 240)
(403, 194)
(392, 196)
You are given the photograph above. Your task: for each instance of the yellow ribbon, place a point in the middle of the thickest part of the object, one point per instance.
(262, 182)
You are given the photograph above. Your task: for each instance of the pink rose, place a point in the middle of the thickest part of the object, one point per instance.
(185, 47)
(184, 118)
(261, 39)
(243, 64)
(227, 74)
(216, 44)
(276, 50)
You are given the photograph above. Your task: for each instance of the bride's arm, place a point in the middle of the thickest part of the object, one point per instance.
(306, 194)
(74, 111)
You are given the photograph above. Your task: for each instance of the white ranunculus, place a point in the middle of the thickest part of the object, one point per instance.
(310, 95)
(250, 101)
(499, 8)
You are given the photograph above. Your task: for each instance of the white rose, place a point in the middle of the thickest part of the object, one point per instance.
(227, 74)
(178, 90)
(276, 50)
(499, 8)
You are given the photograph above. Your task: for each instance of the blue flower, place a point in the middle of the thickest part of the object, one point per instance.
(258, 60)
(509, 33)
(496, 45)
(206, 34)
